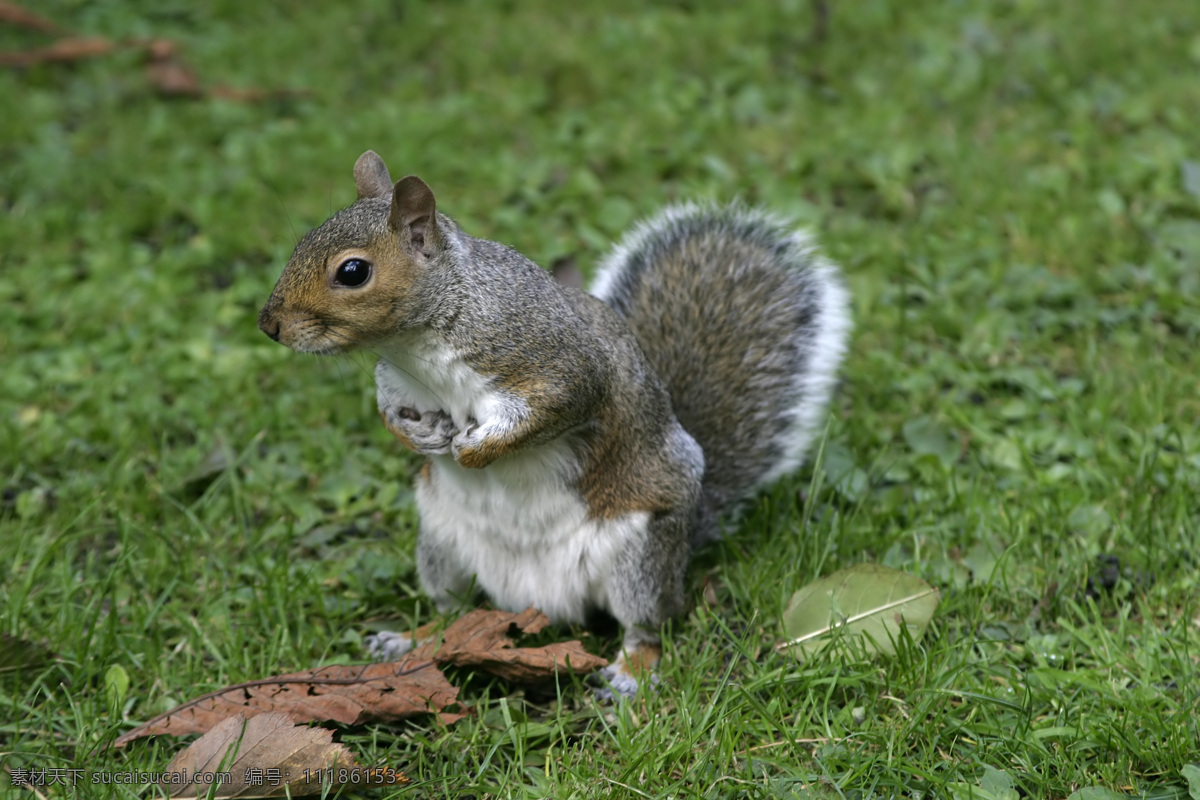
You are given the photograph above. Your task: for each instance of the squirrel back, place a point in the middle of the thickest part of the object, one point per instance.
(746, 323)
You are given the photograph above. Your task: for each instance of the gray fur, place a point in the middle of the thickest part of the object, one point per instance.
(440, 578)
(577, 366)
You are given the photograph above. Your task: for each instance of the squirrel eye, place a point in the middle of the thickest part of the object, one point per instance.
(353, 272)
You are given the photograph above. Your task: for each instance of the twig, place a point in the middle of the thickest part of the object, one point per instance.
(855, 618)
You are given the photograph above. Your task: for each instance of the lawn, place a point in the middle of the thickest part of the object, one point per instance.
(1012, 188)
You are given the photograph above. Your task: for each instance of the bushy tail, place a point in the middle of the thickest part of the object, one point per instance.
(746, 323)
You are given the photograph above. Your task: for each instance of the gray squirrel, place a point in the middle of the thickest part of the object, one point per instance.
(578, 446)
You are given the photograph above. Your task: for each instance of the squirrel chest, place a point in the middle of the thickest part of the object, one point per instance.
(518, 526)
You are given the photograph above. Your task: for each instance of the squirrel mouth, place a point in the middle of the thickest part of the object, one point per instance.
(317, 342)
(321, 347)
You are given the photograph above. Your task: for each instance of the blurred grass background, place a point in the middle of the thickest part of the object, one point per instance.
(1013, 189)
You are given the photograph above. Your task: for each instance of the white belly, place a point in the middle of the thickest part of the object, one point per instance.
(520, 528)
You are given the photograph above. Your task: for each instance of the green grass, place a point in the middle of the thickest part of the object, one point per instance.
(1013, 189)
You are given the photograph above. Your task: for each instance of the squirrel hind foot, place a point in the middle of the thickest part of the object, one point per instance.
(632, 669)
(617, 684)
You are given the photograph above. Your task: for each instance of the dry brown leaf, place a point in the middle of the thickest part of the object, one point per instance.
(347, 694)
(166, 70)
(173, 79)
(270, 757)
(481, 629)
(13, 14)
(712, 584)
(72, 48)
(171, 76)
(168, 73)
(530, 664)
(482, 639)
(389, 691)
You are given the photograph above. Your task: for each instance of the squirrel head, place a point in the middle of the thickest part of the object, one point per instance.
(364, 274)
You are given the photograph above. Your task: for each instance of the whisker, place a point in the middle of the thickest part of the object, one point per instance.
(341, 362)
(265, 181)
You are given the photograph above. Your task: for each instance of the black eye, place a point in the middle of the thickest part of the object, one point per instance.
(353, 272)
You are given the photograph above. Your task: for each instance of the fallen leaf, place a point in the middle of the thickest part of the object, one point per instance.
(1191, 772)
(482, 639)
(166, 70)
(347, 694)
(710, 586)
(530, 664)
(267, 756)
(72, 48)
(995, 785)
(1097, 793)
(173, 77)
(168, 73)
(387, 691)
(13, 14)
(868, 599)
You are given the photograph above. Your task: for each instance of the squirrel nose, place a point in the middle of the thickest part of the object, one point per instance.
(268, 325)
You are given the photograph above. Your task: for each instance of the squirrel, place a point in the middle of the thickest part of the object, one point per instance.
(578, 446)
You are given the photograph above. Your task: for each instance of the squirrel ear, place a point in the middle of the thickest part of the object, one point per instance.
(371, 176)
(414, 211)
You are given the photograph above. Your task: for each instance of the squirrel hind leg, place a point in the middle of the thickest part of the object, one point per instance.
(645, 592)
(633, 668)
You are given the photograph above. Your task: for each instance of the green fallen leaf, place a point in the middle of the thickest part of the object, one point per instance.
(998, 782)
(965, 791)
(865, 599)
(995, 785)
(1192, 773)
(116, 683)
(1096, 793)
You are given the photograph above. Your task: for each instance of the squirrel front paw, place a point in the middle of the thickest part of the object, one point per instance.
(428, 433)
(466, 444)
